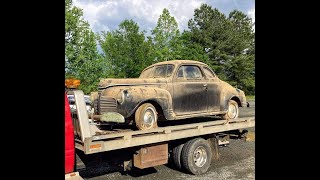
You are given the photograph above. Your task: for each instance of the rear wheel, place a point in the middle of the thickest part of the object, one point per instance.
(146, 117)
(233, 111)
(196, 156)
(176, 155)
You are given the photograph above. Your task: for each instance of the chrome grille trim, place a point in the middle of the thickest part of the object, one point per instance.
(107, 104)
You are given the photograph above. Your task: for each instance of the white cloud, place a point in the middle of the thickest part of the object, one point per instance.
(107, 14)
(91, 11)
(251, 14)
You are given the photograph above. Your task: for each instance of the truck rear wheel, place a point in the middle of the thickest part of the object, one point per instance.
(196, 156)
(176, 155)
(146, 117)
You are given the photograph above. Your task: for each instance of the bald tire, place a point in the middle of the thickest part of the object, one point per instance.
(228, 115)
(140, 114)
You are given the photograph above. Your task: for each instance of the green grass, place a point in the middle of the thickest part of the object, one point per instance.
(250, 97)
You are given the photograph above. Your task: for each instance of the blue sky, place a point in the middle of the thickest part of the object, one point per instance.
(106, 15)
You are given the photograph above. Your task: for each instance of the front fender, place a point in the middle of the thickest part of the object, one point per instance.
(130, 98)
(157, 95)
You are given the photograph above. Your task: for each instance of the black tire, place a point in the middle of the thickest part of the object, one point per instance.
(233, 111)
(176, 156)
(192, 160)
(146, 117)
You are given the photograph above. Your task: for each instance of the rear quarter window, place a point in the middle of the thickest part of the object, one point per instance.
(208, 73)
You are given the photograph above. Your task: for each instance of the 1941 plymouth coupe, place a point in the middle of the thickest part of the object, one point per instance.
(169, 90)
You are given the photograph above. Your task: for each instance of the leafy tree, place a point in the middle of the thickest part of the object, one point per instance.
(191, 49)
(82, 60)
(166, 38)
(228, 43)
(209, 28)
(242, 46)
(126, 50)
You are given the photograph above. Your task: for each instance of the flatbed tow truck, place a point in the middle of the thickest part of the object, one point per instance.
(192, 146)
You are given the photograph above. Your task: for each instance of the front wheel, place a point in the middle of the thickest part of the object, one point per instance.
(233, 111)
(146, 117)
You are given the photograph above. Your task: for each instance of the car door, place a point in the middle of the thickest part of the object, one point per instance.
(189, 91)
(213, 90)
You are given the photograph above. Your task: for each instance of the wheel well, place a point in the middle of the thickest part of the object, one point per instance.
(236, 99)
(158, 108)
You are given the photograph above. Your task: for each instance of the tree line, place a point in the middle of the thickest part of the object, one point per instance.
(225, 43)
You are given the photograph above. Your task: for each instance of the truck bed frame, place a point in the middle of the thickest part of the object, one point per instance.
(90, 141)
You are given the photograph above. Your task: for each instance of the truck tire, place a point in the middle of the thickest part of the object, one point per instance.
(176, 155)
(146, 117)
(233, 111)
(196, 156)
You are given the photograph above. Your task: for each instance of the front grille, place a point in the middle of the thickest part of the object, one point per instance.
(107, 104)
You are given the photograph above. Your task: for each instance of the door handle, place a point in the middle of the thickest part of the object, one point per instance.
(205, 86)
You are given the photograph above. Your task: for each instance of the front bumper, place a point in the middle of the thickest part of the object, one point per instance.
(110, 117)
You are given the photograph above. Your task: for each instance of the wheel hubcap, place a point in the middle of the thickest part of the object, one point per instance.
(200, 156)
(149, 117)
(232, 111)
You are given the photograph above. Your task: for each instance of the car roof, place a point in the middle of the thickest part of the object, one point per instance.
(177, 62)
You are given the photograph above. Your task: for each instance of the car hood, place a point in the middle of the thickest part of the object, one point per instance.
(104, 83)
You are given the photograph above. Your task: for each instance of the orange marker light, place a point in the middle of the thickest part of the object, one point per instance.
(72, 83)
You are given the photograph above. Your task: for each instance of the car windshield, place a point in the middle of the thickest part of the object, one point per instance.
(161, 71)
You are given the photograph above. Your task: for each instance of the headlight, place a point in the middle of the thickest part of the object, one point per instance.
(125, 93)
(124, 96)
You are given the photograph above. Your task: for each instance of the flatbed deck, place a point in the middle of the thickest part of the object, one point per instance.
(93, 140)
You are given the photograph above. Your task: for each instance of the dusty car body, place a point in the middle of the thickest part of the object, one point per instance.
(177, 89)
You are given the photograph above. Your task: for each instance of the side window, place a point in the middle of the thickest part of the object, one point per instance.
(180, 72)
(208, 72)
(189, 72)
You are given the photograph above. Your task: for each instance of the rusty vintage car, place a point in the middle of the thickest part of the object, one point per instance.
(169, 90)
